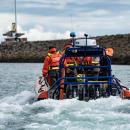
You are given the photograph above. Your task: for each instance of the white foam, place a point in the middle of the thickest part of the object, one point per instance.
(69, 114)
(21, 98)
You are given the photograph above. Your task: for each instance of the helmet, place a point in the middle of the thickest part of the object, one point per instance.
(109, 51)
(52, 49)
(68, 45)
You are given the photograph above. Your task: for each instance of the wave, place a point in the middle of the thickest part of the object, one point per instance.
(23, 112)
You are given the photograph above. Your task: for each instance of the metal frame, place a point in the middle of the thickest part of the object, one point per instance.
(83, 52)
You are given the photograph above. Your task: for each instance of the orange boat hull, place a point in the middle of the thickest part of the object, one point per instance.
(126, 94)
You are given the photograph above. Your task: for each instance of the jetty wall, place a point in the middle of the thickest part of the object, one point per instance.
(35, 51)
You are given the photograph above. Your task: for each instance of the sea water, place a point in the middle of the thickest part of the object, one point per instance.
(20, 111)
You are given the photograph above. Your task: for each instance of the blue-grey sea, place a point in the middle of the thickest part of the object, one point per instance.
(19, 111)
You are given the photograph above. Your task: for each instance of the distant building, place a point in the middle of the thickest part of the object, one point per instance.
(13, 35)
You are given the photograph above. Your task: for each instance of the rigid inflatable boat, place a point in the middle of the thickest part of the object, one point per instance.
(88, 81)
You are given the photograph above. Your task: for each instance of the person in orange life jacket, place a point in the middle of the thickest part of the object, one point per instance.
(91, 61)
(51, 65)
(70, 61)
(87, 60)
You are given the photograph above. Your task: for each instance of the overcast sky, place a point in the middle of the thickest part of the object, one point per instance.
(55, 19)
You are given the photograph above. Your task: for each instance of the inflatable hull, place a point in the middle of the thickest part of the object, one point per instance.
(125, 94)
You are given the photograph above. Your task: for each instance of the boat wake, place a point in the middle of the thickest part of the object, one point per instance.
(23, 112)
(21, 98)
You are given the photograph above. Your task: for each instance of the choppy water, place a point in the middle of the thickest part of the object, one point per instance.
(18, 111)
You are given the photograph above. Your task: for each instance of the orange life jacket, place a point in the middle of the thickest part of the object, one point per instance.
(70, 61)
(87, 60)
(54, 61)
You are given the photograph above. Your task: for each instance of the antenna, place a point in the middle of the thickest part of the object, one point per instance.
(71, 22)
(86, 36)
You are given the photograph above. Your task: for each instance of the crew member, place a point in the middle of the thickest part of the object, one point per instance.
(70, 61)
(67, 71)
(87, 60)
(51, 65)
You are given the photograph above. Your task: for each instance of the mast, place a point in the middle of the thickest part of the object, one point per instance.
(15, 4)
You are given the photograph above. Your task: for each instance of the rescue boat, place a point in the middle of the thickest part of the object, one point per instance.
(88, 81)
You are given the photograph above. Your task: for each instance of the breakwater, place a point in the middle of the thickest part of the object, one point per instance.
(35, 51)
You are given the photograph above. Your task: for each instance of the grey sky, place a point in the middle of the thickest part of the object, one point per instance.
(95, 17)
